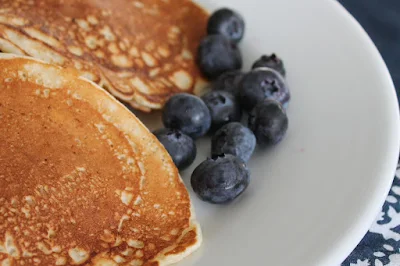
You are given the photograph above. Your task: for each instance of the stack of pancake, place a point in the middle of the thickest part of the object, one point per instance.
(141, 51)
(82, 180)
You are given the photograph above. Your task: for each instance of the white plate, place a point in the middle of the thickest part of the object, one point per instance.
(313, 197)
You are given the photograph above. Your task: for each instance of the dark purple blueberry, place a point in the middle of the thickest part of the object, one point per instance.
(235, 139)
(217, 55)
(228, 23)
(229, 81)
(187, 113)
(180, 147)
(269, 122)
(224, 108)
(272, 61)
(260, 84)
(221, 179)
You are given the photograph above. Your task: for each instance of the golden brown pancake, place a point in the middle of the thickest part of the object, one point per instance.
(142, 51)
(82, 181)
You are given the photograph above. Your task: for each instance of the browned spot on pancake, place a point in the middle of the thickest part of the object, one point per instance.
(134, 51)
(99, 54)
(75, 50)
(189, 239)
(154, 263)
(182, 80)
(149, 60)
(105, 38)
(92, 20)
(121, 60)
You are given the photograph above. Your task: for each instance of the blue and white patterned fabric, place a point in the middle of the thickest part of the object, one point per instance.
(381, 245)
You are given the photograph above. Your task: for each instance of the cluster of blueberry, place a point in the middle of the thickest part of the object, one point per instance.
(262, 92)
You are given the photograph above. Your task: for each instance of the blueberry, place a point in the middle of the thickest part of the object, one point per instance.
(221, 179)
(269, 122)
(235, 139)
(187, 113)
(272, 61)
(260, 84)
(217, 55)
(223, 107)
(228, 23)
(180, 147)
(229, 81)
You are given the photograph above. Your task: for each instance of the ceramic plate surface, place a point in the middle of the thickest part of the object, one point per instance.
(314, 196)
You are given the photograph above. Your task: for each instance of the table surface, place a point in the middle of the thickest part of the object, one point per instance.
(381, 245)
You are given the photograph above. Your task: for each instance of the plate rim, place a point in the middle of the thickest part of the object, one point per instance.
(368, 213)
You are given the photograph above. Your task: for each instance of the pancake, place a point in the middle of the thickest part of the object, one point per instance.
(82, 181)
(141, 51)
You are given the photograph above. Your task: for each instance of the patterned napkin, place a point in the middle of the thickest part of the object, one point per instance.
(381, 245)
